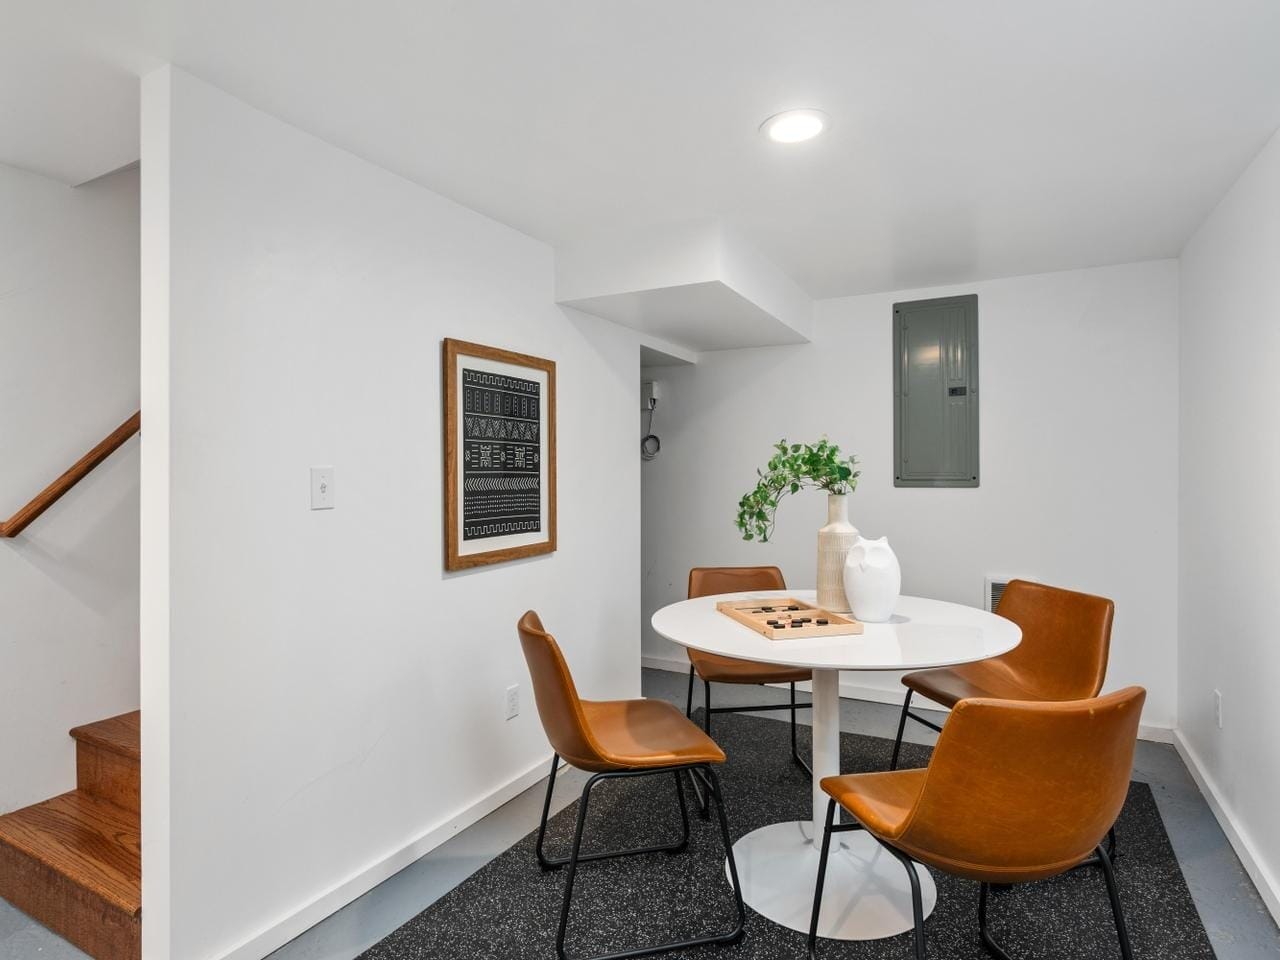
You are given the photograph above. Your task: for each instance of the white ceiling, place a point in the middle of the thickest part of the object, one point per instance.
(968, 139)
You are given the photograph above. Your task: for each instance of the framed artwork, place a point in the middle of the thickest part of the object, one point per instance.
(499, 455)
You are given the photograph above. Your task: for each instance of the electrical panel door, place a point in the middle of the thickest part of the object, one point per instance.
(935, 392)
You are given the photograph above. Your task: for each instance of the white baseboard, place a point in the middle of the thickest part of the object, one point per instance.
(1156, 734)
(1266, 883)
(851, 690)
(670, 664)
(362, 881)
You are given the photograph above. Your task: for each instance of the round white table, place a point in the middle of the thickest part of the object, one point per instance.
(867, 894)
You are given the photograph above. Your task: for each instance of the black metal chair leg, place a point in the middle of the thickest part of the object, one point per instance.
(704, 811)
(736, 933)
(988, 942)
(704, 801)
(917, 900)
(706, 703)
(822, 879)
(902, 726)
(1126, 951)
(793, 706)
(1100, 859)
(573, 866)
(543, 862)
(699, 795)
(1094, 861)
(576, 857)
(549, 863)
(684, 819)
(795, 750)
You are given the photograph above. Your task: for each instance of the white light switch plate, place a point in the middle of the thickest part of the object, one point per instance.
(322, 488)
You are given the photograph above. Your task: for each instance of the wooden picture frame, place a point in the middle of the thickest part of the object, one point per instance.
(499, 455)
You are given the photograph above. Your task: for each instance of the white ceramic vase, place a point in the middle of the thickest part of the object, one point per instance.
(872, 580)
(834, 541)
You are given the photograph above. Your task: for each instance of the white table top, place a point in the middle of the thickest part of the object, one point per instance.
(923, 633)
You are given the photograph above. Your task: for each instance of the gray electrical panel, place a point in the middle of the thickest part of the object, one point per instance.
(935, 392)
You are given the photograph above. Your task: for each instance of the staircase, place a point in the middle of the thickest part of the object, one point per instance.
(75, 862)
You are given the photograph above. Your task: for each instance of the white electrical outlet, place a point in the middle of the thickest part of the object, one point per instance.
(513, 700)
(1217, 707)
(322, 488)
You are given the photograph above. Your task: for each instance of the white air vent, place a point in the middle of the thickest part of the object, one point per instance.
(995, 589)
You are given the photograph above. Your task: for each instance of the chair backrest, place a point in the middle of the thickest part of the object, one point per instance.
(1066, 639)
(1026, 788)
(705, 581)
(559, 706)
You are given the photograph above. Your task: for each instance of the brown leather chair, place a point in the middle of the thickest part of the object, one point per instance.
(712, 668)
(1066, 637)
(613, 739)
(1016, 791)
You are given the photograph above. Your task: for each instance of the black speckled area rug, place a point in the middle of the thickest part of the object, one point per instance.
(508, 910)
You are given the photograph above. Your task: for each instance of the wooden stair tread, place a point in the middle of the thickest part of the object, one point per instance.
(92, 842)
(122, 734)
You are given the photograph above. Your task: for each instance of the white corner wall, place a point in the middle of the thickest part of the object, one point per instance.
(69, 582)
(328, 702)
(1229, 515)
(1078, 375)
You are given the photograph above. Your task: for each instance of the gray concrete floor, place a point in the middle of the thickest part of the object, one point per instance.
(1238, 923)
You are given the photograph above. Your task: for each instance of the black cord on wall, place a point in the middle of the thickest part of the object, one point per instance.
(650, 444)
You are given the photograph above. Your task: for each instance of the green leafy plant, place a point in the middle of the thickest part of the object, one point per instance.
(792, 468)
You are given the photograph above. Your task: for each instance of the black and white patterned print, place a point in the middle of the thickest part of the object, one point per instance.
(501, 455)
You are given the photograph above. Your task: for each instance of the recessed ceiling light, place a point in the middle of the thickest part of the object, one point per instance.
(793, 126)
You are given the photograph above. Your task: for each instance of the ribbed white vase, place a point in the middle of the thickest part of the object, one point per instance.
(834, 541)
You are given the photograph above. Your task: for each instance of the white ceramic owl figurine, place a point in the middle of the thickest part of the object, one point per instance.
(872, 580)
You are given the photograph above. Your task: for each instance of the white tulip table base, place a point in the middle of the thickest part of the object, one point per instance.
(867, 895)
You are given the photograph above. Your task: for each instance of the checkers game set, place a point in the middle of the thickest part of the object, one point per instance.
(783, 618)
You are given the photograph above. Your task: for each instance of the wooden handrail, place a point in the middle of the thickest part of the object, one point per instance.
(79, 470)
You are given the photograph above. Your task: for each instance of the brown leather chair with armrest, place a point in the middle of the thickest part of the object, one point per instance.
(1066, 638)
(612, 739)
(1015, 791)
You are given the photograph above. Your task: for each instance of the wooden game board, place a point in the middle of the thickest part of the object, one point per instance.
(772, 618)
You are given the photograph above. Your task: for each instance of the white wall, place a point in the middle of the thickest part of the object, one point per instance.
(337, 700)
(1078, 375)
(1228, 512)
(69, 582)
